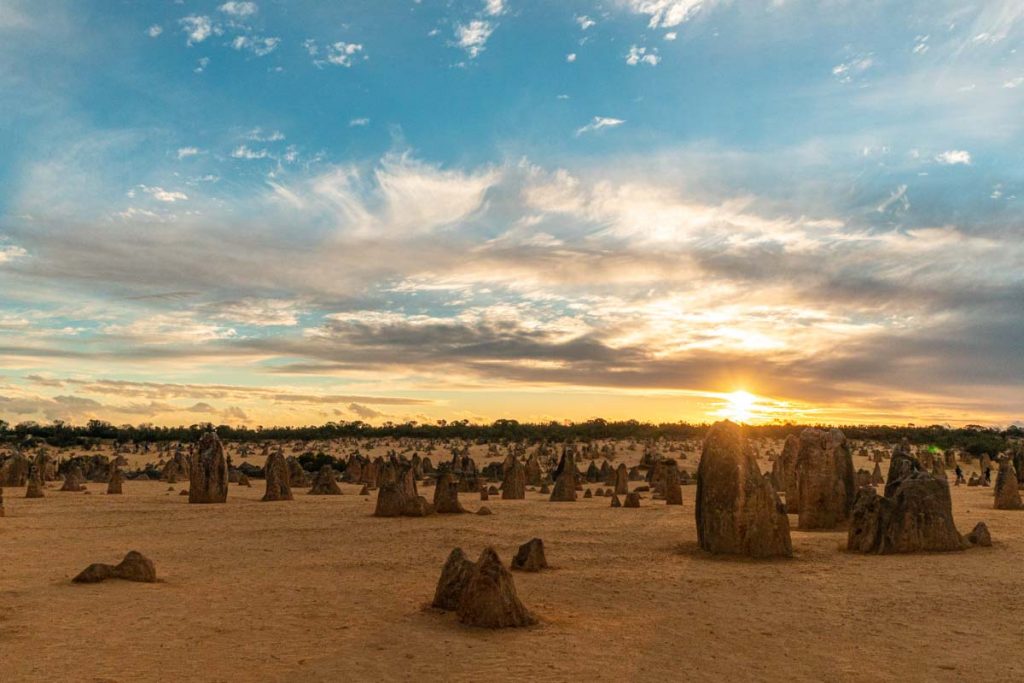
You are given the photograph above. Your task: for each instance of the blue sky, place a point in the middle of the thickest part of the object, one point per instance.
(298, 211)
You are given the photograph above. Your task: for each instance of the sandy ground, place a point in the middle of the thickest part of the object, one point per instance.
(318, 590)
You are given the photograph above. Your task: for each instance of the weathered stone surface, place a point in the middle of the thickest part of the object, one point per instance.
(784, 471)
(15, 471)
(34, 489)
(980, 536)
(917, 517)
(208, 472)
(1007, 491)
(513, 484)
(489, 599)
(390, 501)
(616, 503)
(632, 500)
(74, 480)
(737, 511)
(297, 476)
(116, 481)
(565, 479)
(530, 557)
(278, 478)
(621, 480)
(672, 490)
(902, 465)
(446, 496)
(417, 506)
(825, 479)
(454, 577)
(134, 567)
(325, 483)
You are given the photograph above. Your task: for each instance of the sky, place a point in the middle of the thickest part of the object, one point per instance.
(294, 212)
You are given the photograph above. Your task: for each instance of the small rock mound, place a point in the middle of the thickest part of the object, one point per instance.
(74, 480)
(325, 484)
(616, 503)
(484, 510)
(489, 599)
(632, 500)
(446, 495)
(980, 536)
(134, 567)
(530, 557)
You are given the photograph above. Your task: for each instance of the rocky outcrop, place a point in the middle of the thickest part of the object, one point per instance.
(825, 479)
(737, 510)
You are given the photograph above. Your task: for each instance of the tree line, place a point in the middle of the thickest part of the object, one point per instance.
(975, 439)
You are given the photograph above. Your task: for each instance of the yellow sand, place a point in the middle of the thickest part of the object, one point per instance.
(318, 590)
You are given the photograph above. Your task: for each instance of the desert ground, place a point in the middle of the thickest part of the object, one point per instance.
(317, 589)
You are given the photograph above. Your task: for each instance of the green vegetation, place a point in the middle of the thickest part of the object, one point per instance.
(974, 439)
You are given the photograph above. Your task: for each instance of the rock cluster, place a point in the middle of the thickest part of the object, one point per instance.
(482, 593)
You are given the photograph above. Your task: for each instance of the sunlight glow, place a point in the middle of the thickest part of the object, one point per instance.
(740, 406)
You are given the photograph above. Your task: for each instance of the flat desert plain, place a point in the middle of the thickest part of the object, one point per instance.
(317, 589)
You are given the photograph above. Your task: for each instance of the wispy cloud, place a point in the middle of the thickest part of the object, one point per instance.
(599, 123)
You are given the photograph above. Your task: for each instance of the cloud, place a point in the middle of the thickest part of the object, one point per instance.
(472, 37)
(585, 22)
(364, 412)
(154, 30)
(239, 9)
(356, 123)
(571, 57)
(598, 123)
(953, 157)
(649, 273)
(258, 135)
(259, 46)
(257, 312)
(9, 253)
(641, 55)
(185, 152)
(162, 195)
(198, 28)
(667, 13)
(848, 71)
(494, 8)
(244, 152)
(339, 53)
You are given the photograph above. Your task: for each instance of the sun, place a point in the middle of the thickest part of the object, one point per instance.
(740, 406)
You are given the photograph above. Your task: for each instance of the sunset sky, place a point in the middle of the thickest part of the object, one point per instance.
(293, 212)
